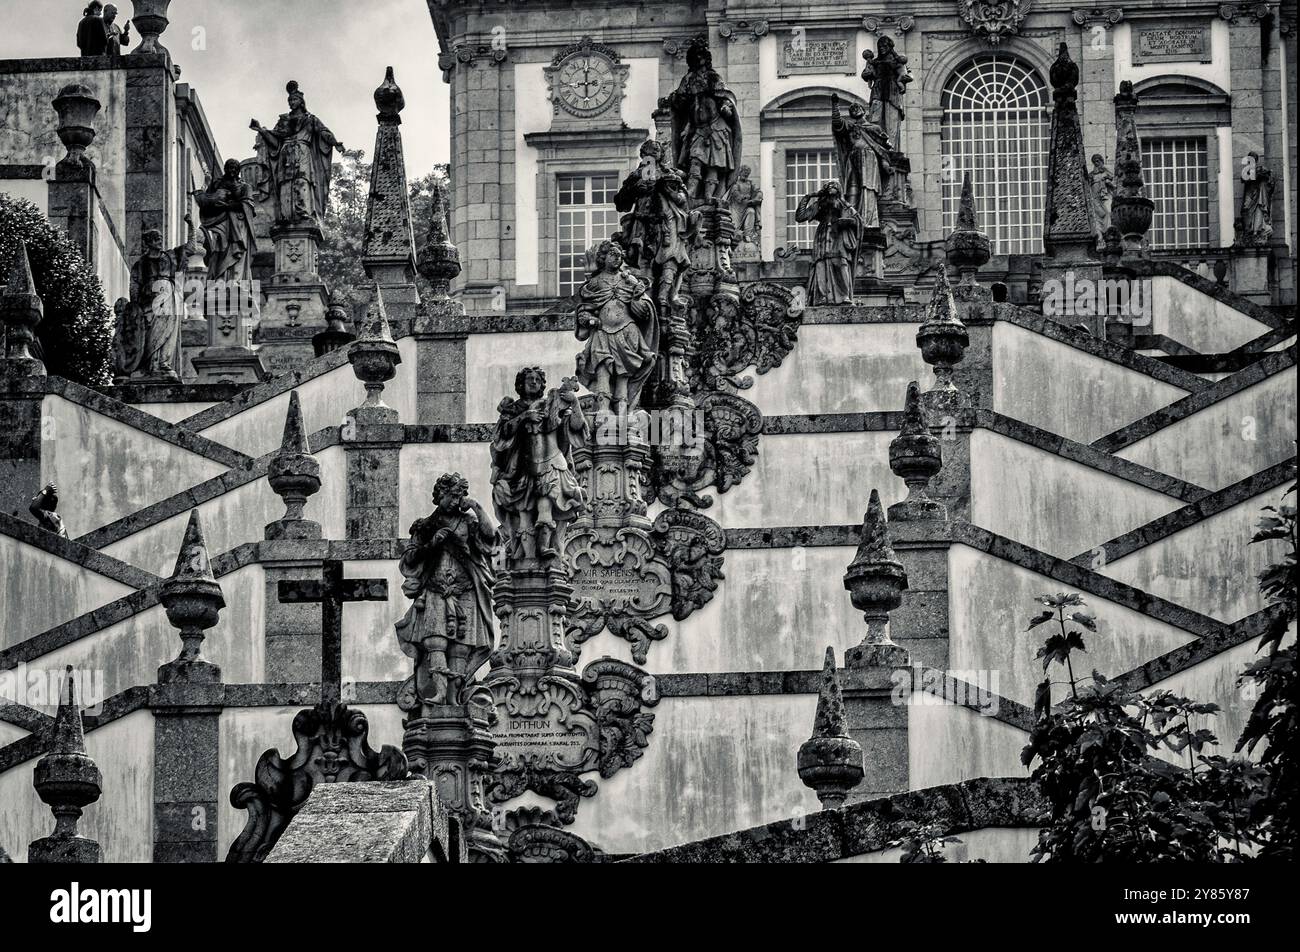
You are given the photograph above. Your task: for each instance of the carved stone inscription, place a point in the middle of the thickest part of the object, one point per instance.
(807, 51)
(1172, 44)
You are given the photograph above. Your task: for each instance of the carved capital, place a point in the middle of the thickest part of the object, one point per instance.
(466, 54)
(1104, 15)
(1246, 12)
(876, 24)
(739, 29)
(993, 20)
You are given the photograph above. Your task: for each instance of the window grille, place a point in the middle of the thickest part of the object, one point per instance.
(1177, 176)
(806, 171)
(586, 216)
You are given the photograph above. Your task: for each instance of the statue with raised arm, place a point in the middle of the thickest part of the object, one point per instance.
(447, 567)
(863, 153)
(226, 215)
(534, 487)
(298, 153)
(706, 127)
(835, 247)
(617, 320)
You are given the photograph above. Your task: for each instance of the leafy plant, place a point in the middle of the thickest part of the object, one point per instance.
(1111, 797)
(76, 333)
(1275, 720)
(924, 843)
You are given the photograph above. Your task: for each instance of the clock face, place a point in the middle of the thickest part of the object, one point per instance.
(585, 84)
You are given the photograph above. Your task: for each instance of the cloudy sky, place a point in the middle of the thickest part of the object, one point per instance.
(238, 55)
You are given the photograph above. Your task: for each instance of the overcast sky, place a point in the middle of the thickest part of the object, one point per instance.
(336, 49)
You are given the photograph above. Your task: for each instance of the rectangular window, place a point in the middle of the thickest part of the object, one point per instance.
(586, 216)
(1177, 173)
(806, 171)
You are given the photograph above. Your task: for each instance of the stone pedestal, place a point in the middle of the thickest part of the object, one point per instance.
(875, 709)
(228, 358)
(297, 301)
(187, 772)
(871, 254)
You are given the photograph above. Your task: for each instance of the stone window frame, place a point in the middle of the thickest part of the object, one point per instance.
(578, 152)
(804, 128)
(1198, 114)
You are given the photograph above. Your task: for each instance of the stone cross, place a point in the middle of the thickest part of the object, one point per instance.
(333, 591)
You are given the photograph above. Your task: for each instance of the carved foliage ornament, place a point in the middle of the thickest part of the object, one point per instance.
(726, 450)
(759, 333)
(333, 747)
(994, 19)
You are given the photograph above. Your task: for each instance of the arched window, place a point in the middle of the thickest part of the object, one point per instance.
(996, 125)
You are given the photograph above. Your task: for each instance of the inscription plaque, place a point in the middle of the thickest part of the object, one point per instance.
(806, 51)
(1181, 44)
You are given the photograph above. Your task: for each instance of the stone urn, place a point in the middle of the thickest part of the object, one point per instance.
(193, 606)
(1132, 214)
(151, 21)
(916, 457)
(943, 338)
(77, 108)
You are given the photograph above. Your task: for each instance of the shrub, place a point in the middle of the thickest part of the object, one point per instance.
(76, 334)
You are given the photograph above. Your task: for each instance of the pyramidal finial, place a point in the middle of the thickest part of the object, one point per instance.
(67, 735)
(942, 307)
(192, 562)
(915, 420)
(20, 273)
(875, 546)
(294, 439)
(966, 206)
(377, 327)
(830, 719)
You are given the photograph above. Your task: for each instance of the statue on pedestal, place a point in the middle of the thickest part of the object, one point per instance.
(1102, 182)
(886, 73)
(1256, 202)
(298, 156)
(864, 159)
(156, 309)
(835, 247)
(617, 320)
(746, 206)
(226, 216)
(706, 127)
(656, 223)
(448, 570)
(118, 36)
(534, 489)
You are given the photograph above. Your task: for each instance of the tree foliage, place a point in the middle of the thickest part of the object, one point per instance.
(76, 333)
(345, 225)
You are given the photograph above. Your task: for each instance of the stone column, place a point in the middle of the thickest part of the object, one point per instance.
(440, 335)
(1097, 66)
(1246, 71)
(150, 133)
(373, 435)
(876, 677)
(186, 704)
(72, 190)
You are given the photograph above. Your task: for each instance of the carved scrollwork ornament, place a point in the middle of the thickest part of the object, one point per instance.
(1106, 15)
(1250, 12)
(692, 545)
(740, 29)
(994, 19)
(332, 747)
(874, 24)
(727, 449)
(759, 330)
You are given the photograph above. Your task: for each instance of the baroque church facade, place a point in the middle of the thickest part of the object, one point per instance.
(675, 387)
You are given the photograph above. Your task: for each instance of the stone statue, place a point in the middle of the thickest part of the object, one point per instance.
(298, 155)
(835, 247)
(746, 207)
(42, 509)
(617, 320)
(226, 215)
(534, 489)
(92, 35)
(448, 570)
(128, 339)
(118, 36)
(1256, 202)
(863, 154)
(156, 308)
(706, 127)
(1102, 182)
(656, 223)
(886, 73)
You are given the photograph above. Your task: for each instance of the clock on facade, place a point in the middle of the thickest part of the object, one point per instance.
(586, 79)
